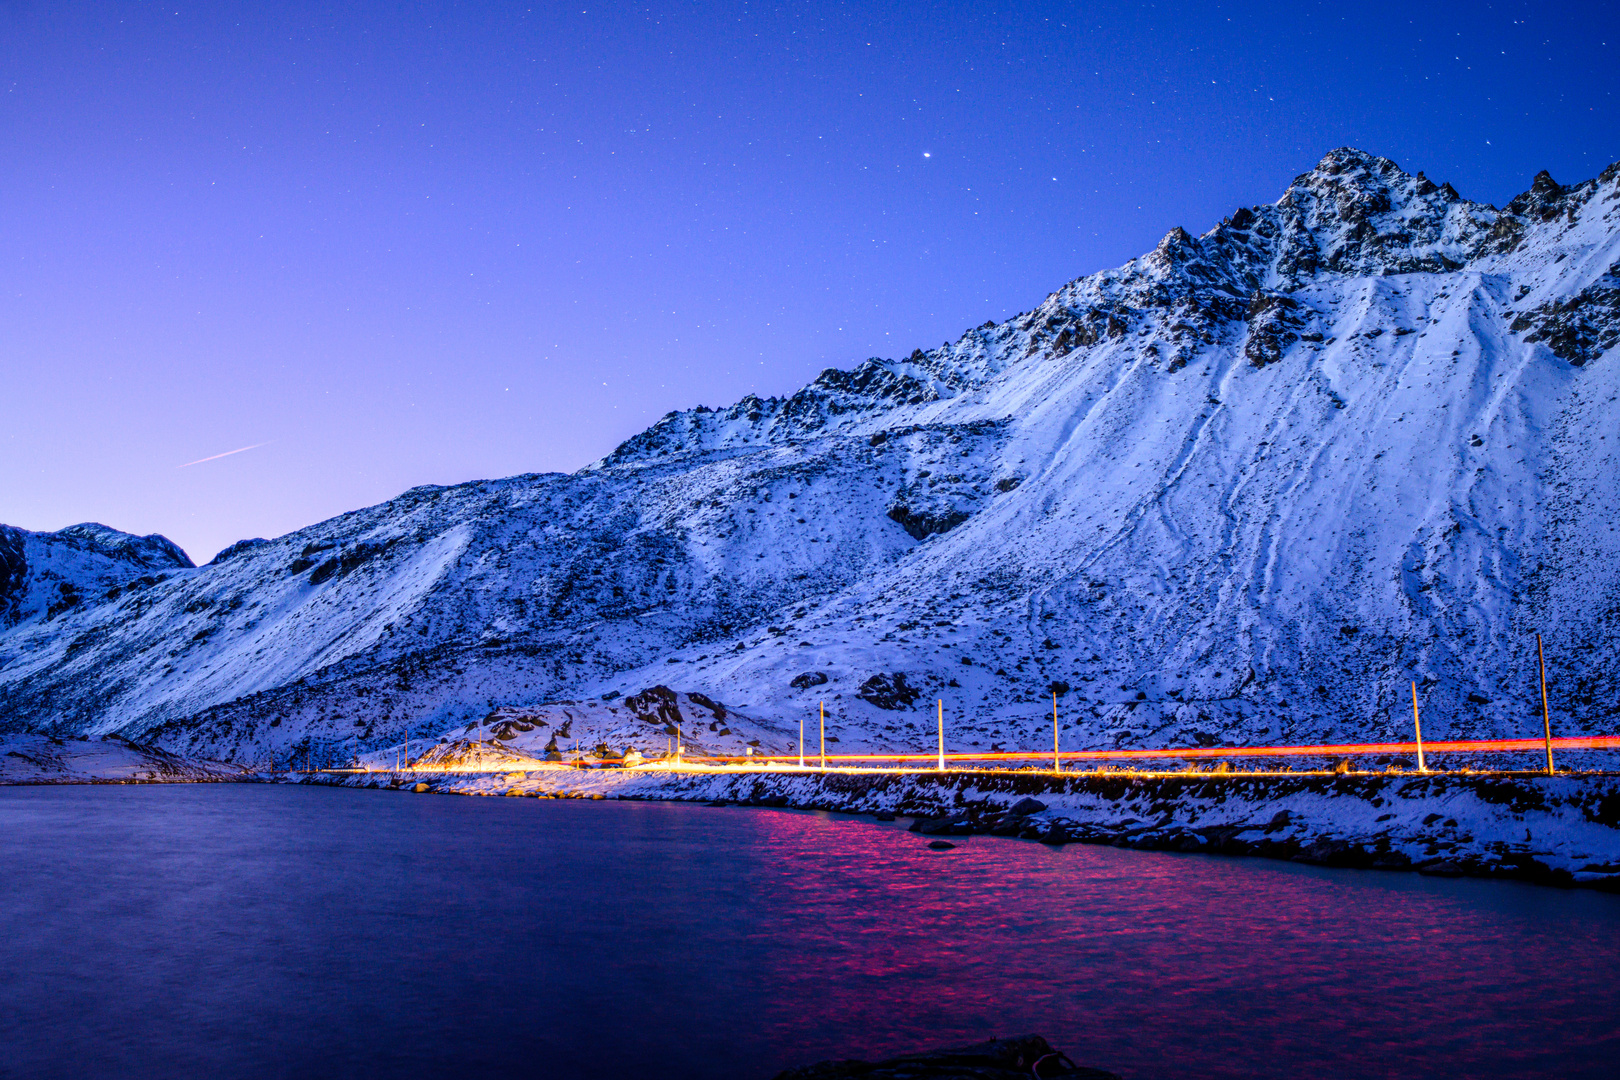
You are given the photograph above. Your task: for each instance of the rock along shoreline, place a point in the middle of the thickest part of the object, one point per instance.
(1561, 830)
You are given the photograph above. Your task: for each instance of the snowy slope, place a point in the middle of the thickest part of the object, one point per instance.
(46, 759)
(1243, 488)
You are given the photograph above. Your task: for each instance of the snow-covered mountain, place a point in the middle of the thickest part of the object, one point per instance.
(43, 575)
(1243, 488)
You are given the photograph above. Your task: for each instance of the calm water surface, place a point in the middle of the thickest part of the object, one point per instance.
(240, 930)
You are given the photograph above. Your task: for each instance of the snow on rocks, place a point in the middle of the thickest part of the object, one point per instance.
(44, 575)
(42, 759)
(647, 725)
(1560, 830)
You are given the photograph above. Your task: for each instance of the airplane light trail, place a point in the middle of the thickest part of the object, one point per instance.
(227, 453)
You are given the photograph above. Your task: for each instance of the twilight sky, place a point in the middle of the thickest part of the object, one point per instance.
(388, 245)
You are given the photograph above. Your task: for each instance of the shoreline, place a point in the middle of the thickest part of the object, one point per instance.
(1561, 830)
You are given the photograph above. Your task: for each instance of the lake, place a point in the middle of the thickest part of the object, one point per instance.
(256, 930)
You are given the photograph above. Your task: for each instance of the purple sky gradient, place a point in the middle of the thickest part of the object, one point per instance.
(414, 244)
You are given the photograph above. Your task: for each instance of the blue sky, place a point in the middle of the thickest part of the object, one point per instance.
(388, 245)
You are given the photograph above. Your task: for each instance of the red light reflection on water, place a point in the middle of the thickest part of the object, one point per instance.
(260, 930)
(1153, 964)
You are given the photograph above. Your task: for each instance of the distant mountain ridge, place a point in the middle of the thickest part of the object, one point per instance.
(45, 574)
(1243, 488)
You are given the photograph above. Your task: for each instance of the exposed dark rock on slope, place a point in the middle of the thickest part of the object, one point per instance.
(1241, 489)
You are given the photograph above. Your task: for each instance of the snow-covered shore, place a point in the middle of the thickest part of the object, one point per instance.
(1557, 830)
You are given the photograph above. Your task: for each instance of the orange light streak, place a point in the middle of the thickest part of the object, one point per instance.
(1470, 746)
(1192, 753)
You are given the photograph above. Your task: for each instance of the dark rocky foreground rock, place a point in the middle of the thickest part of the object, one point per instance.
(998, 1059)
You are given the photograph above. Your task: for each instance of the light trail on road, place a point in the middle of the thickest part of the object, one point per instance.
(928, 762)
(1469, 746)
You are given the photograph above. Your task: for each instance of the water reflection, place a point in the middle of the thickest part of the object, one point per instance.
(274, 931)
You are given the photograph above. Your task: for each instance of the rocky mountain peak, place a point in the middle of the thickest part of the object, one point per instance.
(151, 552)
(1358, 214)
(1354, 214)
(1177, 245)
(1544, 201)
(48, 574)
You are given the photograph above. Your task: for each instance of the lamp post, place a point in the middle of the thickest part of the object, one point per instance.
(1057, 766)
(1546, 714)
(823, 734)
(1418, 727)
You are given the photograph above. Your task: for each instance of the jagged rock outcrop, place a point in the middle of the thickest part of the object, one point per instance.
(997, 1059)
(43, 575)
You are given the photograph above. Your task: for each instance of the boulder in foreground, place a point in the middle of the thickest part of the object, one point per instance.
(998, 1059)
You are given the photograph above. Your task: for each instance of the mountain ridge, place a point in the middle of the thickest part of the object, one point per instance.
(1241, 488)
